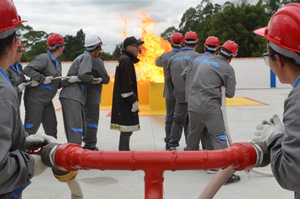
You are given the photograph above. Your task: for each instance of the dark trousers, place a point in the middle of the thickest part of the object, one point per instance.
(40, 113)
(124, 141)
(91, 112)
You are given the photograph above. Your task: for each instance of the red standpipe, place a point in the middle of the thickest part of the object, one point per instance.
(239, 156)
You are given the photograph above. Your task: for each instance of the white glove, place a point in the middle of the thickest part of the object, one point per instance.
(34, 83)
(39, 167)
(135, 107)
(97, 80)
(39, 139)
(74, 79)
(48, 80)
(21, 87)
(267, 130)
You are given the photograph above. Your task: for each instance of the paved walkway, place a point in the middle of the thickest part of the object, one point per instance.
(98, 184)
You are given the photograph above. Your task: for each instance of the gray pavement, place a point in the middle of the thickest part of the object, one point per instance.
(98, 184)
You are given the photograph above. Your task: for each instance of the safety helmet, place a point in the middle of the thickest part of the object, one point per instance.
(212, 41)
(231, 46)
(9, 18)
(55, 38)
(91, 41)
(191, 37)
(21, 48)
(177, 38)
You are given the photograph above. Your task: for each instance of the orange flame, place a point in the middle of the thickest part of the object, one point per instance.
(153, 47)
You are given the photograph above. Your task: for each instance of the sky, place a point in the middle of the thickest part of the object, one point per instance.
(102, 17)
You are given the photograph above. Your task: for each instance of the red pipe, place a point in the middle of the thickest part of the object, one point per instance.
(238, 156)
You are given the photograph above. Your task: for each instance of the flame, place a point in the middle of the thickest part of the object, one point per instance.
(153, 47)
(125, 19)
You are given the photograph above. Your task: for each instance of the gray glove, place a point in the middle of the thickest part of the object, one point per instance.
(21, 87)
(135, 107)
(39, 139)
(97, 80)
(267, 130)
(48, 80)
(74, 79)
(34, 83)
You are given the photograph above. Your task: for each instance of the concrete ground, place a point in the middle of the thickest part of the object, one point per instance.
(98, 184)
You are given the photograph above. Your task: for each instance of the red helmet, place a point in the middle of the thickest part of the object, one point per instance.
(191, 35)
(212, 41)
(284, 28)
(231, 46)
(21, 48)
(55, 39)
(9, 15)
(177, 38)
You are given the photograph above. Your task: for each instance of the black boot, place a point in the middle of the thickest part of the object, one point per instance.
(124, 141)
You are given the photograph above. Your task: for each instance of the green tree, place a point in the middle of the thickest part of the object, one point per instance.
(167, 34)
(74, 46)
(117, 52)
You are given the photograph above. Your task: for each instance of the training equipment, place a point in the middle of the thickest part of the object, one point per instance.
(212, 41)
(191, 35)
(92, 40)
(9, 18)
(231, 46)
(283, 29)
(55, 39)
(48, 80)
(177, 38)
(135, 107)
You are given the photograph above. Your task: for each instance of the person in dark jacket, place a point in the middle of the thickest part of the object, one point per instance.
(38, 96)
(91, 107)
(16, 75)
(124, 114)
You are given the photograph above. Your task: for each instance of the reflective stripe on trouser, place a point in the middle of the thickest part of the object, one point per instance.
(180, 118)
(73, 116)
(215, 126)
(37, 114)
(91, 112)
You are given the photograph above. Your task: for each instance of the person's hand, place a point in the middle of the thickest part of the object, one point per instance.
(34, 83)
(97, 80)
(39, 139)
(21, 87)
(267, 130)
(48, 80)
(39, 166)
(263, 156)
(74, 79)
(135, 107)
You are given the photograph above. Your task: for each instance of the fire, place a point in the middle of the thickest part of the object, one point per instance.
(153, 47)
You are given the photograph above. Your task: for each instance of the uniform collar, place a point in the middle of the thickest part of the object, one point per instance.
(186, 48)
(86, 52)
(175, 50)
(4, 75)
(15, 67)
(51, 56)
(207, 53)
(297, 81)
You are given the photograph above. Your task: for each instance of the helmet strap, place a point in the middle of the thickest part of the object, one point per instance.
(178, 45)
(55, 46)
(191, 42)
(226, 53)
(6, 33)
(211, 49)
(288, 53)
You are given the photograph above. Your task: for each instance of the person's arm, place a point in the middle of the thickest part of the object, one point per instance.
(160, 61)
(34, 68)
(127, 71)
(230, 82)
(85, 69)
(16, 167)
(102, 72)
(284, 149)
(168, 73)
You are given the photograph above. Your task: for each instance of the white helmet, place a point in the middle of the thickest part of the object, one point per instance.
(92, 41)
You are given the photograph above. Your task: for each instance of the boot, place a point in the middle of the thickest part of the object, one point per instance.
(124, 141)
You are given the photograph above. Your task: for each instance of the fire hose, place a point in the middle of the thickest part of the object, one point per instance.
(74, 186)
(222, 175)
